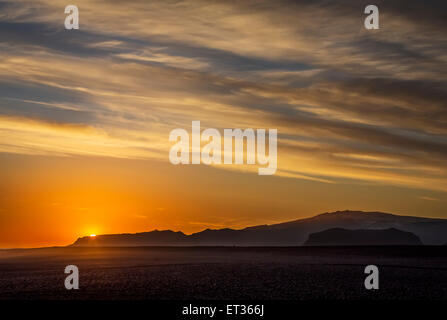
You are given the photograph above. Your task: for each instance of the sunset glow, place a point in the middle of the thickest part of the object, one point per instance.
(85, 115)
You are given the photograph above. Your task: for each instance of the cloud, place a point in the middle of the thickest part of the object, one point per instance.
(347, 103)
(429, 198)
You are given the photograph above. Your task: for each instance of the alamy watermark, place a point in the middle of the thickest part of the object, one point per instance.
(372, 20)
(72, 280)
(191, 151)
(372, 280)
(72, 20)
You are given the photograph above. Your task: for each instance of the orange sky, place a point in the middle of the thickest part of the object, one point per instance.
(52, 201)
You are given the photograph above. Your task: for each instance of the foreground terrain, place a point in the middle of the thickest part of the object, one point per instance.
(289, 273)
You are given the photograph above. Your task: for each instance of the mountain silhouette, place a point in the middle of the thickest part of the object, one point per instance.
(154, 238)
(345, 237)
(293, 233)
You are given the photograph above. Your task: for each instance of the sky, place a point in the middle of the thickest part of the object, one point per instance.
(85, 115)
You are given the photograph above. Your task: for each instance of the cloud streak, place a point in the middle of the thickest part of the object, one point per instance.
(347, 103)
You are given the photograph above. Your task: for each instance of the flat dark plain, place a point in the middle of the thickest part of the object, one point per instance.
(225, 273)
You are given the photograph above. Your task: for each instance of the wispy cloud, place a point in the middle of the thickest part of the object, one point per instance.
(347, 103)
(429, 198)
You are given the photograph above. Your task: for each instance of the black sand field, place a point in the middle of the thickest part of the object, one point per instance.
(297, 273)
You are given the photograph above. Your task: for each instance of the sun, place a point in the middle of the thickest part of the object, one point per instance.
(93, 235)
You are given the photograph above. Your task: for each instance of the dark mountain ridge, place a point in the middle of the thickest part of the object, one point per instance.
(362, 237)
(293, 233)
